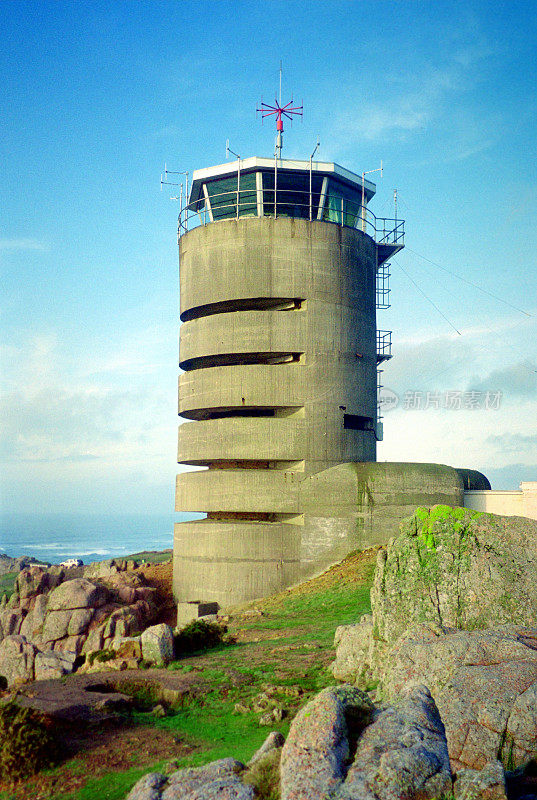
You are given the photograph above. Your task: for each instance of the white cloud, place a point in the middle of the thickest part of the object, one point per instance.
(484, 359)
(412, 101)
(52, 413)
(477, 439)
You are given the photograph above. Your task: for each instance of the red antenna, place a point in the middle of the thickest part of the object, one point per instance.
(280, 111)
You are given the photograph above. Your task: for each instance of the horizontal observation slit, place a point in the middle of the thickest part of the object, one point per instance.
(223, 412)
(245, 464)
(239, 359)
(251, 516)
(354, 422)
(243, 304)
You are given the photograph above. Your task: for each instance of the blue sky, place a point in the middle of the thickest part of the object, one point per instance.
(96, 97)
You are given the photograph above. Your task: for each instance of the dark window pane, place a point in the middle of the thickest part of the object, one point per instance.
(353, 422)
(293, 194)
(223, 196)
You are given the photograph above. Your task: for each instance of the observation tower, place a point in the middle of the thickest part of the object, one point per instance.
(282, 268)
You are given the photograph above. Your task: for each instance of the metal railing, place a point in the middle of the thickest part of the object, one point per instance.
(384, 345)
(383, 285)
(289, 203)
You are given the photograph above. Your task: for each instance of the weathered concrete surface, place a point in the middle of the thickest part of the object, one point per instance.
(291, 351)
(317, 521)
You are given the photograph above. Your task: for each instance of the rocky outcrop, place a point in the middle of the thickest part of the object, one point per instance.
(220, 780)
(52, 623)
(484, 684)
(17, 658)
(77, 593)
(317, 749)
(481, 784)
(401, 751)
(450, 567)
(456, 568)
(9, 564)
(340, 747)
(451, 599)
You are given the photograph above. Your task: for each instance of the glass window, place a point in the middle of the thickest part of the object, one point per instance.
(223, 196)
(293, 194)
(342, 204)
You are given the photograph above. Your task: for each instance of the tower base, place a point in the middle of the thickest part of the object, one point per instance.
(344, 508)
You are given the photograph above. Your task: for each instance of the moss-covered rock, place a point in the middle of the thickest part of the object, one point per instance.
(450, 568)
(459, 569)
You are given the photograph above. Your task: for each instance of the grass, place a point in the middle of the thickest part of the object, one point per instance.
(150, 556)
(289, 644)
(7, 583)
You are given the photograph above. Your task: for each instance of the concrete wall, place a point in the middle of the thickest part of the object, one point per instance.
(519, 503)
(373, 498)
(316, 521)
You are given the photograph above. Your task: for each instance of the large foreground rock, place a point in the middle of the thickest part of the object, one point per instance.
(401, 751)
(451, 567)
(17, 658)
(484, 684)
(456, 568)
(315, 755)
(157, 645)
(77, 593)
(481, 784)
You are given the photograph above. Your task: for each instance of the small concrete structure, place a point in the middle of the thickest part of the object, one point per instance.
(517, 503)
(192, 610)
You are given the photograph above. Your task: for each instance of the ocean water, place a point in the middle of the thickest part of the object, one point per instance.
(55, 537)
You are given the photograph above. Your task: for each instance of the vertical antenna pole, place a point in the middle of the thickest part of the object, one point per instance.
(237, 156)
(395, 205)
(275, 186)
(363, 192)
(311, 168)
(280, 82)
(363, 202)
(238, 184)
(187, 198)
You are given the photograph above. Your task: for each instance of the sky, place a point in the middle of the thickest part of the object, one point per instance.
(98, 96)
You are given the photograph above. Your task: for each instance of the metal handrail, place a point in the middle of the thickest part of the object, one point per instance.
(384, 342)
(347, 213)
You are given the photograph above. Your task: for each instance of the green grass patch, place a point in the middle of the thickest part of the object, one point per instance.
(114, 786)
(150, 556)
(316, 614)
(7, 583)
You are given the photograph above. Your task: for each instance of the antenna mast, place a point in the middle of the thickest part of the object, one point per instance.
(288, 110)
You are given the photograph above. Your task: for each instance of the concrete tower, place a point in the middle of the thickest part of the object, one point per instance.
(279, 348)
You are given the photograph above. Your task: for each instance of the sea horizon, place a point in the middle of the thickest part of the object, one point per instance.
(54, 537)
